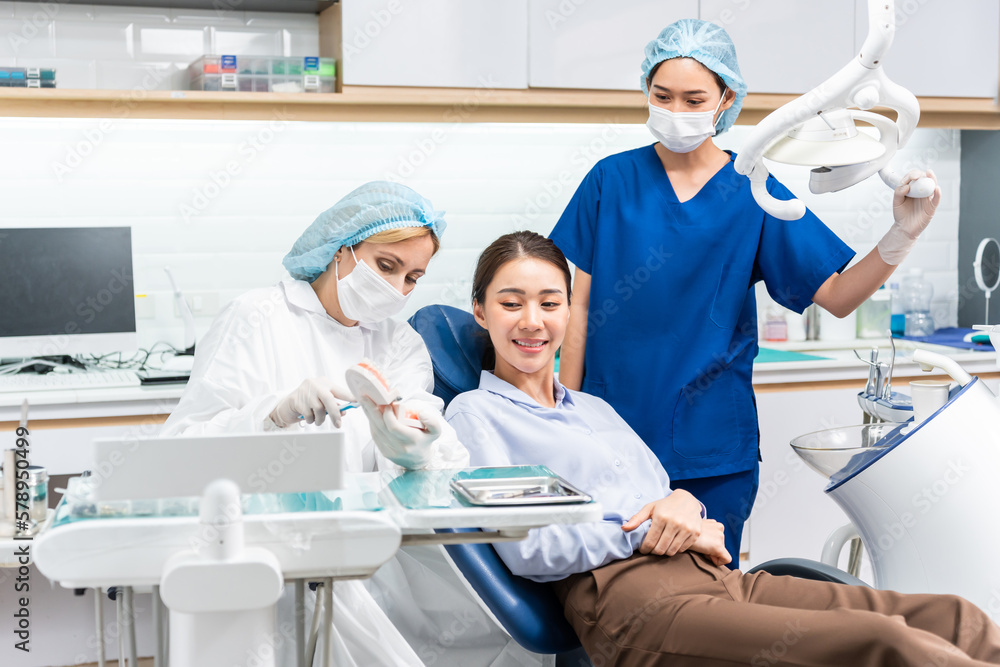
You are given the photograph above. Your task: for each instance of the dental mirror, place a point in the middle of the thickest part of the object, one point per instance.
(987, 267)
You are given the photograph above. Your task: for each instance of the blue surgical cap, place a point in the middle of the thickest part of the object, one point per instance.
(374, 207)
(710, 45)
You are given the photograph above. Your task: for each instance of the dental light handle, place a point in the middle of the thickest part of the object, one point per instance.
(919, 189)
(930, 360)
(186, 316)
(791, 209)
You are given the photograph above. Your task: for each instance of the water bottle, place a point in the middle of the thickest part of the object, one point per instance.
(915, 294)
(897, 320)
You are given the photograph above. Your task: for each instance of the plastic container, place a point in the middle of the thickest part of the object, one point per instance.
(38, 492)
(27, 77)
(915, 295)
(261, 74)
(875, 315)
(897, 321)
(775, 325)
(833, 328)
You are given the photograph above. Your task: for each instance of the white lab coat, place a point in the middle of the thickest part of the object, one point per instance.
(258, 350)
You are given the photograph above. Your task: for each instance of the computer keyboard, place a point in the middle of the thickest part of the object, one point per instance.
(19, 382)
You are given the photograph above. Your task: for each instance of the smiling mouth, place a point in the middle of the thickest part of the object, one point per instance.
(531, 345)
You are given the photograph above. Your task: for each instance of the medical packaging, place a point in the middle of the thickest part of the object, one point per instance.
(27, 77)
(262, 74)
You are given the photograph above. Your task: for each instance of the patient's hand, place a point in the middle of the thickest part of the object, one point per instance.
(712, 542)
(675, 527)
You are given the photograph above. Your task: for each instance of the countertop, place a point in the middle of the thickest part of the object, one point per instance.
(840, 363)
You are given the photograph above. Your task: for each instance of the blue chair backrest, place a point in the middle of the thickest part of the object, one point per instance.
(529, 611)
(456, 344)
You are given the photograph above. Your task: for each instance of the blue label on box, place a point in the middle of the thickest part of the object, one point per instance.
(312, 63)
(228, 62)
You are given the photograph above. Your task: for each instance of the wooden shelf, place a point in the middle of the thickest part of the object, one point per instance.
(445, 105)
(293, 6)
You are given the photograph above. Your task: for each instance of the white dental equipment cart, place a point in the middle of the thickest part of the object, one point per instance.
(221, 598)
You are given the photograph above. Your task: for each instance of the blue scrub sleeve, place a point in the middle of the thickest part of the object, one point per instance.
(795, 257)
(576, 231)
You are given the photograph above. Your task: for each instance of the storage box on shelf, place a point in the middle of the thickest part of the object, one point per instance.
(27, 77)
(264, 74)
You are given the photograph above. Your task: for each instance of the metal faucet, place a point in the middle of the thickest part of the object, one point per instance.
(878, 400)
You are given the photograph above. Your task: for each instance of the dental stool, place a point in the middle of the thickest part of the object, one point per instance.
(529, 611)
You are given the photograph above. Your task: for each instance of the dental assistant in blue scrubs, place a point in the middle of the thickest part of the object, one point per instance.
(668, 243)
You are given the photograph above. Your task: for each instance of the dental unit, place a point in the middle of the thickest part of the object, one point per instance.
(917, 493)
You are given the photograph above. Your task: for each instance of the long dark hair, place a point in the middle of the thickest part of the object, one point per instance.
(507, 248)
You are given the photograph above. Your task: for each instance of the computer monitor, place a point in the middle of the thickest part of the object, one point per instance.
(66, 290)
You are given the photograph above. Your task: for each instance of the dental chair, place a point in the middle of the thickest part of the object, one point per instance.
(529, 611)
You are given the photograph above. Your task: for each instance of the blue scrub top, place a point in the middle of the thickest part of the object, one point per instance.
(672, 325)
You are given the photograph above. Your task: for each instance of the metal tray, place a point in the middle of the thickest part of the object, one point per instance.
(541, 490)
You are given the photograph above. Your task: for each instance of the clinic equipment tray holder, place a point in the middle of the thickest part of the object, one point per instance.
(532, 489)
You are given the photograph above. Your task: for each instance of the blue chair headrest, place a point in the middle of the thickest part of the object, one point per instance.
(456, 344)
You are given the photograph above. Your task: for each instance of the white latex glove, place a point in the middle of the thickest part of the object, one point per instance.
(911, 217)
(404, 445)
(314, 400)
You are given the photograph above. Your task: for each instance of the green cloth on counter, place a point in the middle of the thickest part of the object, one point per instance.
(767, 355)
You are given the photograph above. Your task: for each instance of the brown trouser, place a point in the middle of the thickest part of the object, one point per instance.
(683, 610)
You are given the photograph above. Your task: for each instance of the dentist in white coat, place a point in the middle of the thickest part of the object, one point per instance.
(275, 358)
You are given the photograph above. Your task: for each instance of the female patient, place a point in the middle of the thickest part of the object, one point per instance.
(649, 580)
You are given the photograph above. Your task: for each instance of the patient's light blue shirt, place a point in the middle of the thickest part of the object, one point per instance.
(582, 439)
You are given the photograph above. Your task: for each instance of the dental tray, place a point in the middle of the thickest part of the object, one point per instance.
(535, 490)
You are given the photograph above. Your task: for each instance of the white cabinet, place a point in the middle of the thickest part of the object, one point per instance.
(786, 47)
(942, 48)
(435, 43)
(597, 44)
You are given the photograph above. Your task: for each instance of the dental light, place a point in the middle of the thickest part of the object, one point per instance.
(818, 129)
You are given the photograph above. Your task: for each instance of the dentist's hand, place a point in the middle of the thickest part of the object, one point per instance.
(911, 216)
(314, 400)
(712, 542)
(404, 445)
(676, 524)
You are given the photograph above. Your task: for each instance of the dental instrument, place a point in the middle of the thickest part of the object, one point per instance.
(818, 129)
(878, 401)
(344, 408)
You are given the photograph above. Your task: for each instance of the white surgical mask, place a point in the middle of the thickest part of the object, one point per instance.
(366, 296)
(682, 132)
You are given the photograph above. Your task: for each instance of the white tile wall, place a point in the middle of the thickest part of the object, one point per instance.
(161, 177)
(97, 46)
